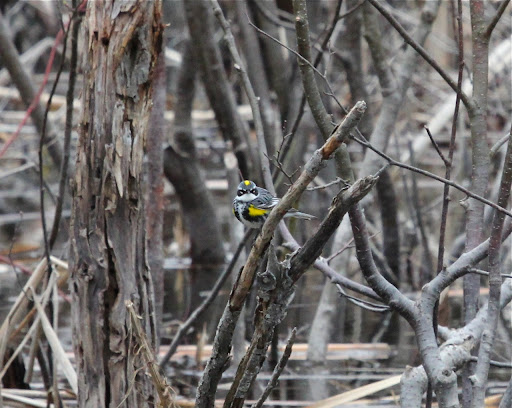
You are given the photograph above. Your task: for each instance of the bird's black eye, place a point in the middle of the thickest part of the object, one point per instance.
(253, 191)
(240, 193)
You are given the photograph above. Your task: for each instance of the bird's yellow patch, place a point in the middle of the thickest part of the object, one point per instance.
(256, 212)
(247, 182)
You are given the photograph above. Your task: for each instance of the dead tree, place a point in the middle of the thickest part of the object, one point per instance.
(108, 254)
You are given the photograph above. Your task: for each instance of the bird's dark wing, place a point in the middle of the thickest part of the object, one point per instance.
(265, 200)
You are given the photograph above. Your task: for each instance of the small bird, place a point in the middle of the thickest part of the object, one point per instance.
(252, 205)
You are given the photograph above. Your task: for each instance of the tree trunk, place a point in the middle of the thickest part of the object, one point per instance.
(108, 254)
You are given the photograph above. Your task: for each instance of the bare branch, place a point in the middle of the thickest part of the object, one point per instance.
(390, 294)
(364, 304)
(436, 146)
(493, 363)
(485, 273)
(464, 264)
(454, 353)
(499, 13)
(426, 173)
(448, 167)
(311, 91)
(277, 286)
(277, 370)
(63, 181)
(479, 379)
(311, 250)
(480, 167)
(497, 146)
(335, 277)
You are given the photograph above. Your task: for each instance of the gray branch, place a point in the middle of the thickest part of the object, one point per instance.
(479, 379)
(277, 370)
(455, 352)
(277, 288)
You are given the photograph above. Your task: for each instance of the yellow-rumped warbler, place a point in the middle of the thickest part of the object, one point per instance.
(252, 205)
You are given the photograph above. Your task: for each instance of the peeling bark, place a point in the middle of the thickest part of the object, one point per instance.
(108, 253)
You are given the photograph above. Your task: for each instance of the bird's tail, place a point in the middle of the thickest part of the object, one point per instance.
(293, 213)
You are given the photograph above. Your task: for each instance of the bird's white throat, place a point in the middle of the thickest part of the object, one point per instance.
(247, 197)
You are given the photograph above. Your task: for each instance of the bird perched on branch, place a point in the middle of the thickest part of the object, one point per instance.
(252, 205)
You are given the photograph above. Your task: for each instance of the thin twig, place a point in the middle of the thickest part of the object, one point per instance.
(451, 151)
(278, 369)
(499, 13)
(330, 30)
(305, 61)
(427, 267)
(349, 244)
(338, 180)
(364, 304)
(288, 142)
(68, 126)
(494, 363)
(426, 173)
(351, 10)
(497, 146)
(436, 146)
(300, 57)
(485, 273)
(51, 368)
